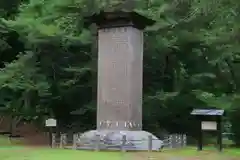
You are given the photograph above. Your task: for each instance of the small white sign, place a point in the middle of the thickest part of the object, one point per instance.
(51, 122)
(208, 125)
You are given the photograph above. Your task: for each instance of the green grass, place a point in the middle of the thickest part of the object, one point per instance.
(7, 142)
(24, 153)
(4, 141)
(54, 154)
(8, 151)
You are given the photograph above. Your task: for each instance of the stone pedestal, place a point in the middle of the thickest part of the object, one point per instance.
(113, 140)
(120, 72)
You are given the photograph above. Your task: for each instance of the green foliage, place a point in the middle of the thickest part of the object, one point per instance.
(48, 60)
(234, 115)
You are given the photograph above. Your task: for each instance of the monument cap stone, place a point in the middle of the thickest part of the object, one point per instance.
(110, 19)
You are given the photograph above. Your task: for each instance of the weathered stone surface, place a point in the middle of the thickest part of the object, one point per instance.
(120, 61)
(112, 139)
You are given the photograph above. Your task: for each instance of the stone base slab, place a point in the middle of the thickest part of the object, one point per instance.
(112, 140)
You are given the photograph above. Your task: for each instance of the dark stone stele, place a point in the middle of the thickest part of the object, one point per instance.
(111, 137)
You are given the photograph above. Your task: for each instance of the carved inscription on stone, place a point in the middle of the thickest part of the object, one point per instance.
(118, 97)
(108, 124)
(115, 58)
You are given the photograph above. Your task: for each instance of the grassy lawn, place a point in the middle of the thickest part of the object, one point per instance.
(15, 152)
(21, 153)
(53, 154)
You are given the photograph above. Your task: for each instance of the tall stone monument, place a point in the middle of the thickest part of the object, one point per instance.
(120, 72)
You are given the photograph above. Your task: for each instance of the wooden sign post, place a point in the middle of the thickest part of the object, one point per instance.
(209, 120)
(50, 123)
